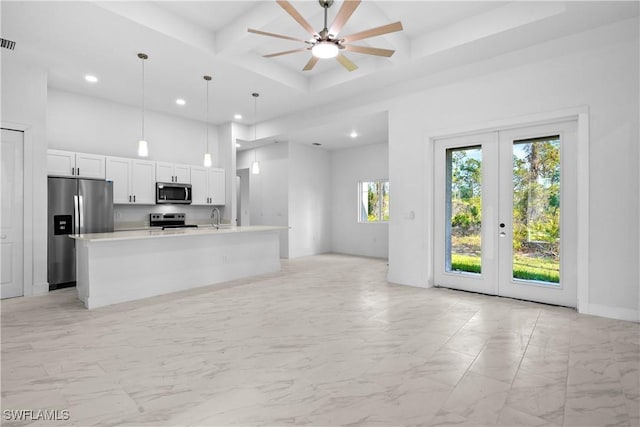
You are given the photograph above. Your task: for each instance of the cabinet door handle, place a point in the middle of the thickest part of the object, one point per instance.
(129, 198)
(134, 198)
(78, 171)
(73, 171)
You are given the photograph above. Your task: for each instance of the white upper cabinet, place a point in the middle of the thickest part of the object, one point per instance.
(208, 186)
(164, 172)
(182, 173)
(170, 172)
(199, 186)
(76, 165)
(119, 171)
(217, 186)
(143, 182)
(133, 180)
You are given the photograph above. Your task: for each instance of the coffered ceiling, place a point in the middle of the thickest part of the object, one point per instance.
(188, 39)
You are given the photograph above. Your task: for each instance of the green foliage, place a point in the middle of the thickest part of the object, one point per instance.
(525, 268)
(377, 193)
(536, 196)
(469, 264)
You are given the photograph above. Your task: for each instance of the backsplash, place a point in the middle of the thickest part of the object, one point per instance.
(132, 216)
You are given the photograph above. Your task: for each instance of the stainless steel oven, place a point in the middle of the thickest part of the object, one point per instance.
(171, 192)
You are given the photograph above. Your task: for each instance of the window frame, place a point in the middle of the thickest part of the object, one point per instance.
(379, 184)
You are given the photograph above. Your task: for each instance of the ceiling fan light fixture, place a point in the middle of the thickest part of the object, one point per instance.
(325, 50)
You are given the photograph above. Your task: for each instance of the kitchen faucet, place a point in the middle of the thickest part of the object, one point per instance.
(216, 224)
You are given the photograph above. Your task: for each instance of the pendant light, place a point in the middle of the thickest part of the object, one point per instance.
(255, 166)
(143, 148)
(207, 154)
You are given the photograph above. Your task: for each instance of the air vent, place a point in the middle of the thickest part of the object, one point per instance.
(7, 44)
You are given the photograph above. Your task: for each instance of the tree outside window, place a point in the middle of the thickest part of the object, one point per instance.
(373, 201)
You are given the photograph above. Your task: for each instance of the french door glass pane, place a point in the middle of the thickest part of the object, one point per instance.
(464, 210)
(536, 210)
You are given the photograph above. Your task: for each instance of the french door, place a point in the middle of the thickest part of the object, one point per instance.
(503, 208)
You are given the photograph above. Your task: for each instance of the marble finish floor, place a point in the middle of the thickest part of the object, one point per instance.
(325, 342)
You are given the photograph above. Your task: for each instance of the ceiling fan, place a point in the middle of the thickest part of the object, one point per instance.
(326, 43)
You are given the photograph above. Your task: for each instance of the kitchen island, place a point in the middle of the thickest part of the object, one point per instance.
(129, 265)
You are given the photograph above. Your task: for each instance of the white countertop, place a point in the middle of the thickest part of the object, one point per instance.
(174, 232)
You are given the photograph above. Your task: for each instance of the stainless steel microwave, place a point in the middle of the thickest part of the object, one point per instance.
(171, 192)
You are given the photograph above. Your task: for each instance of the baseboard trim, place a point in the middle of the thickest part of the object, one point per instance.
(612, 312)
(40, 288)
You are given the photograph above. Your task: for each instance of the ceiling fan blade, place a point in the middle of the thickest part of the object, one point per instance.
(286, 52)
(345, 12)
(346, 62)
(280, 36)
(296, 15)
(312, 63)
(369, 50)
(378, 31)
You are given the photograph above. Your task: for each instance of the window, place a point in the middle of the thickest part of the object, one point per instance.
(373, 201)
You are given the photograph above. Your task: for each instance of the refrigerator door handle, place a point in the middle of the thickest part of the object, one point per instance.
(76, 216)
(81, 211)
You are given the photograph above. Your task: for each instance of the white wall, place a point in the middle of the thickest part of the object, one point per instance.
(348, 167)
(24, 101)
(93, 125)
(269, 195)
(310, 202)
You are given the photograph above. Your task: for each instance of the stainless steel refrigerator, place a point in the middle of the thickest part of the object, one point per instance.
(75, 206)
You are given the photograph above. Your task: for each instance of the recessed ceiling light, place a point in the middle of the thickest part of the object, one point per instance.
(91, 79)
(238, 145)
(180, 101)
(237, 116)
(353, 134)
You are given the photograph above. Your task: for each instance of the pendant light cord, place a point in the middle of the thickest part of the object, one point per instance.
(255, 115)
(143, 99)
(206, 119)
(255, 125)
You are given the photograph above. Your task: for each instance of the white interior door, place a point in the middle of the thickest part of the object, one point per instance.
(11, 227)
(503, 203)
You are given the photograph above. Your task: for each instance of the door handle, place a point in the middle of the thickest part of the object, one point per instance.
(78, 171)
(76, 216)
(81, 212)
(129, 198)
(134, 198)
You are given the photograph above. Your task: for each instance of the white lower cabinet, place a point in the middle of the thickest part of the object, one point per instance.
(133, 180)
(75, 165)
(208, 186)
